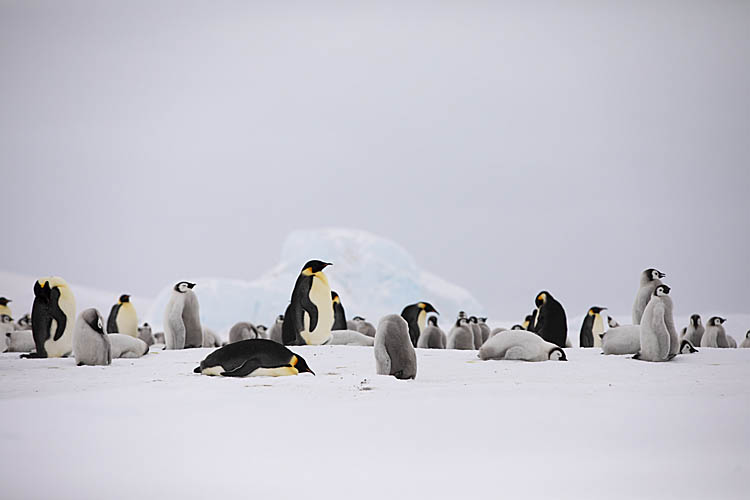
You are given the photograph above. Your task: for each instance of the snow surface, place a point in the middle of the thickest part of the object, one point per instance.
(594, 427)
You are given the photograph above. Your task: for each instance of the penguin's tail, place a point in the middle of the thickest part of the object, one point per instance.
(197, 369)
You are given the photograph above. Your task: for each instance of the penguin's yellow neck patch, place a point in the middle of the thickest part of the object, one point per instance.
(421, 305)
(591, 312)
(307, 271)
(542, 297)
(337, 300)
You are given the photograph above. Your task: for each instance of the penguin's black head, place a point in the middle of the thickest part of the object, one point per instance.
(541, 298)
(516, 327)
(301, 365)
(461, 314)
(432, 320)
(716, 320)
(612, 322)
(124, 298)
(427, 307)
(662, 290)
(473, 319)
(94, 320)
(315, 266)
(687, 348)
(4, 301)
(747, 335)
(280, 317)
(146, 325)
(4, 318)
(358, 318)
(42, 290)
(462, 320)
(695, 319)
(529, 318)
(653, 274)
(335, 297)
(483, 320)
(183, 286)
(596, 310)
(557, 354)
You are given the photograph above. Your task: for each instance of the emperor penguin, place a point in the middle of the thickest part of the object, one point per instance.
(275, 332)
(19, 341)
(461, 337)
(4, 309)
(394, 352)
(715, 335)
(90, 343)
(350, 337)
(612, 322)
(415, 316)
(253, 358)
(52, 318)
(125, 346)
(550, 322)
(484, 328)
(518, 327)
(182, 322)
(475, 331)
(24, 323)
(361, 325)
(746, 341)
(244, 330)
(499, 329)
(695, 330)
(592, 328)
(732, 343)
(520, 345)
(686, 347)
(309, 317)
(144, 333)
(625, 339)
(122, 317)
(650, 279)
(655, 336)
(528, 321)
(432, 337)
(339, 315)
(210, 339)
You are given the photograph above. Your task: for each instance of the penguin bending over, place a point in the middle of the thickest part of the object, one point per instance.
(432, 337)
(461, 337)
(125, 346)
(339, 315)
(275, 332)
(122, 317)
(182, 322)
(90, 343)
(394, 352)
(625, 339)
(695, 330)
(415, 316)
(715, 335)
(746, 342)
(655, 336)
(253, 358)
(52, 318)
(550, 323)
(650, 279)
(309, 317)
(592, 328)
(4, 309)
(244, 330)
(520, 345)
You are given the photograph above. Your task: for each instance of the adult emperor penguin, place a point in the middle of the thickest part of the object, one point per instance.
(309, 317)
(122, 318)
(432, 337)
(416, 317)
(695, 330)
(650, 279)
(182, 322)
(394, 352)
(52, 318)
(244, 330)
(274, 333)
(528, 322)
(253, 358)
(475, 331)
(715, 335)
(461, 337)
(520, 345)
(550, 322)
(339, 315)
(90, 343)
(746, 341)
(592, 328)
(125, 346)
(4, 309)
(655, 336)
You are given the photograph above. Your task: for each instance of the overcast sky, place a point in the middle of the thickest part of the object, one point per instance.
(509, 148)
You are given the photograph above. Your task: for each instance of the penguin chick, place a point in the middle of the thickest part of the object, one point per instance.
(746, 342)
(182, 324)
(90, 342)
(275, 332)
(415, 316)
(359, 324)
(210, 339)
(612, 322)
(650, 279)
(655, 336)
(253, 358)
(732, 343)
(19, 341)
(144, 333)
(461, 337)
(433, 337)
(24, 323)
(520, 345)
(244, 330)
(715, 335)
(686, 347)
(262, 331)
(625, 339)
(350, 337)
(125, 346)
(394, 352)
(695, 330)
(476, 332)
(499, 329)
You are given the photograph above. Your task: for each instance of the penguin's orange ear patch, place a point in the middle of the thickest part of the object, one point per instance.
(591, 312)
(421, 305)
(308, 271)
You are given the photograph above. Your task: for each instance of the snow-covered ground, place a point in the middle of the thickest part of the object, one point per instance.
(594, 427)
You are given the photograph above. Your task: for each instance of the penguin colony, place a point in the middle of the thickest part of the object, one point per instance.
(316, 316)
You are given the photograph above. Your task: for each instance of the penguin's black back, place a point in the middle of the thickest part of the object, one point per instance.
(339, 317)
(410, 314)
(43, 311)
(551, 323)
(587, 331)
(294, 315)
(267, 353)
(112, 320)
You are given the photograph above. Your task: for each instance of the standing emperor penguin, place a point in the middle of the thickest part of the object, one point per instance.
(122, 318)
(394, 352)
(655, 336)
(416, 317)
(461, 337)
(90, 344)
(4, 309)
(475, 331)
(592, 328)
(715, 335)
(695, 330)
(182, 322)
(52, 318)
(275, 332)
(522, 346)
(650, 279)
(309, 317)
(528, 322)
(746, 342)
(339, 316)
(485, 329)
(432, 337)
(550, 323)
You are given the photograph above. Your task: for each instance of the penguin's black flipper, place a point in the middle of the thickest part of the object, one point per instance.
(637, 355)
(112, 319)
(57, 314)
(197, 369)
(311, 309)
(244, 369)
(292, 326)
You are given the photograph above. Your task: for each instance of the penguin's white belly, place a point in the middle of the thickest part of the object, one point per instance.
(127, 321)
(64, 345)
(320, 295)
(260, 372)
(597, 330)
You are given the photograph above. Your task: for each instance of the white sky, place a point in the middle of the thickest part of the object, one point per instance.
(509, 148)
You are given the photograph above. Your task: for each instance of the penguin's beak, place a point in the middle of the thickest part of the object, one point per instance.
(662, 275)
(191, 285)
